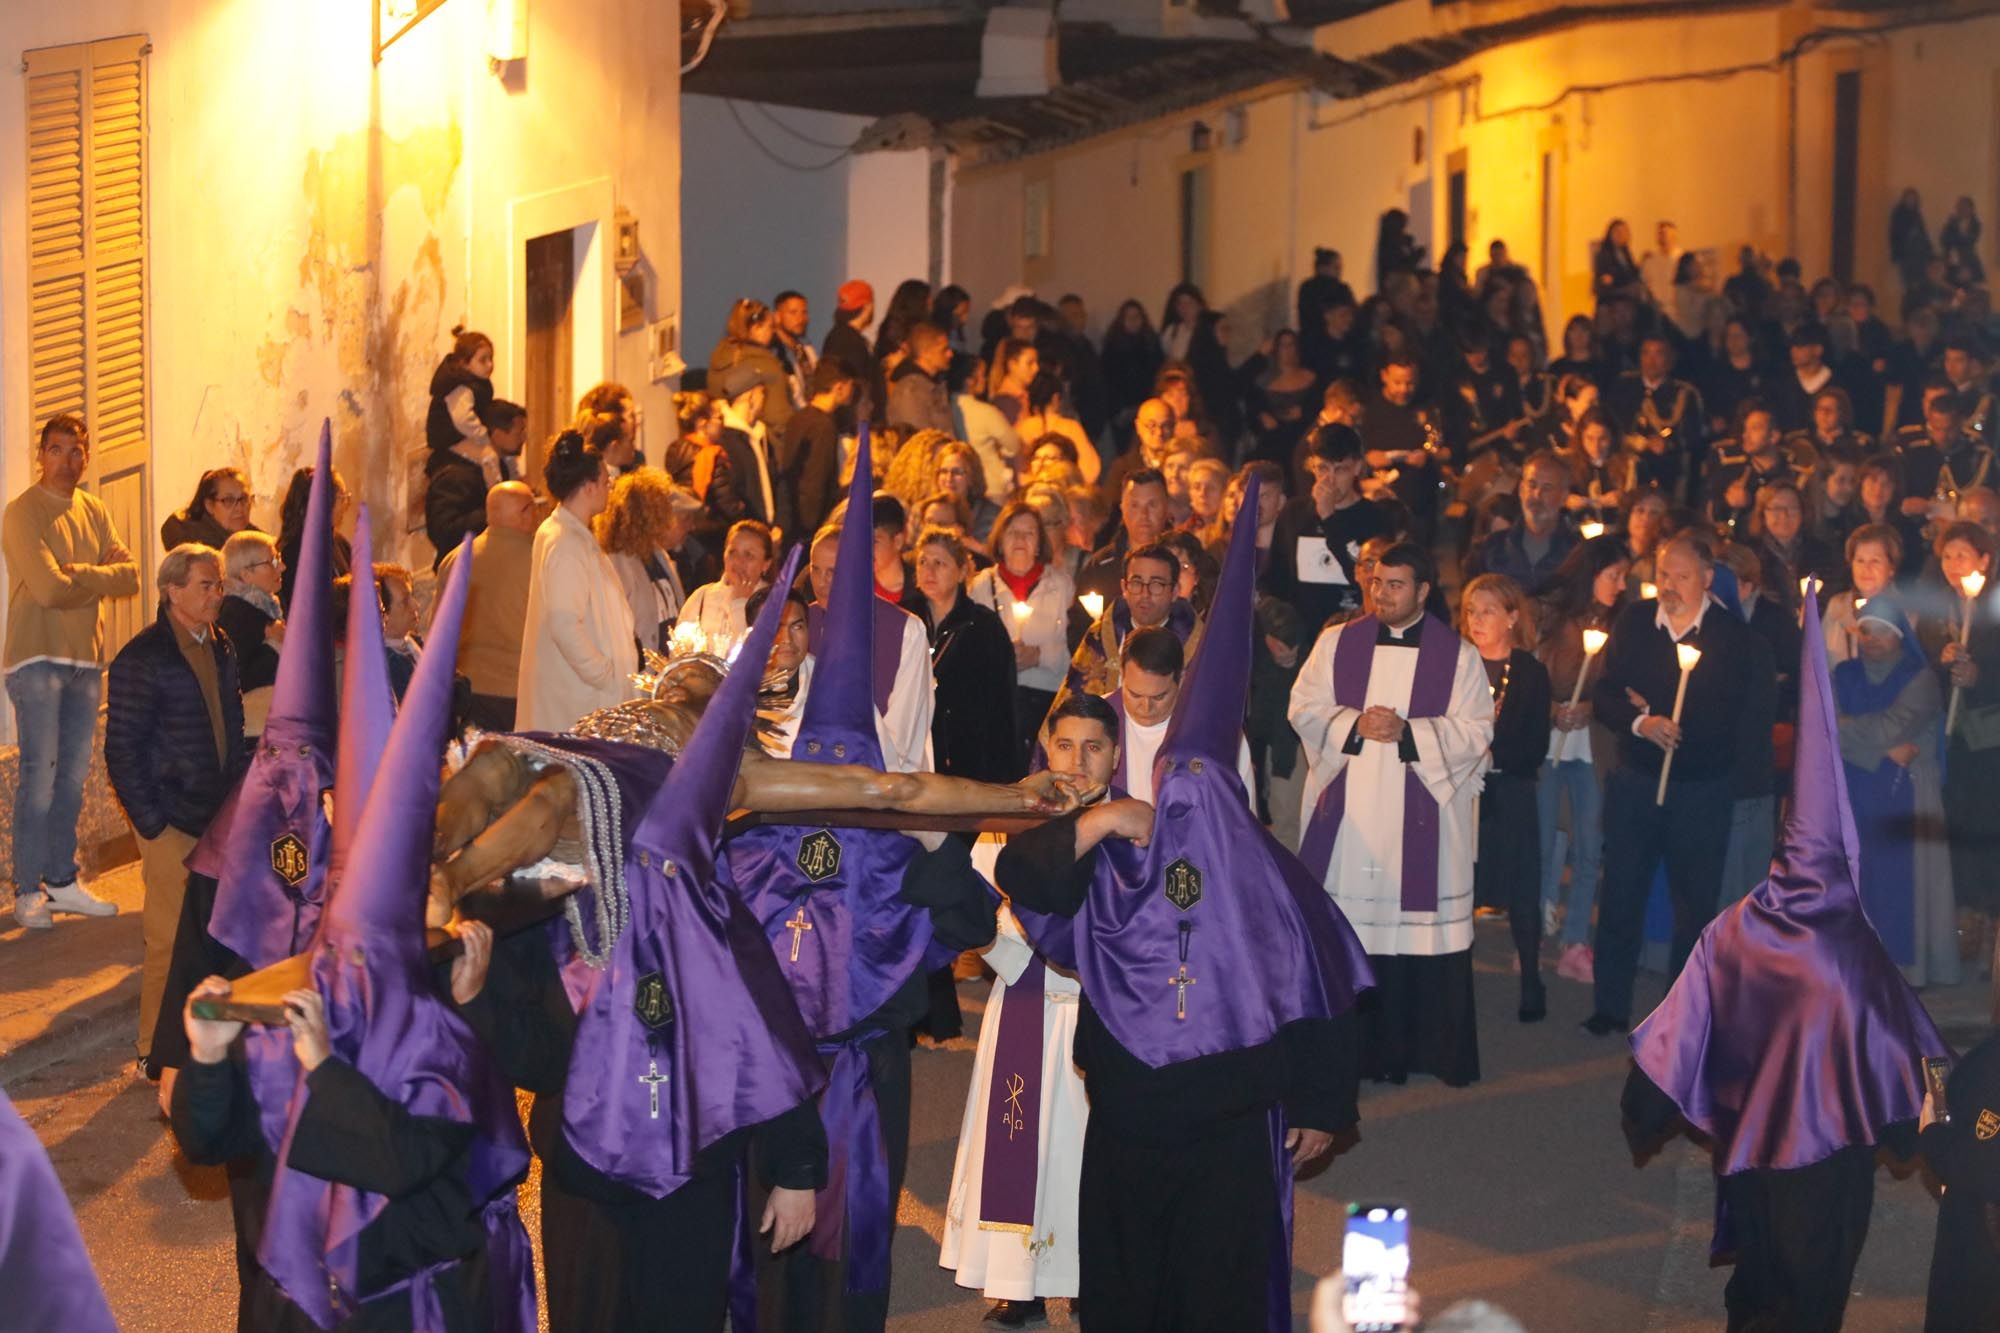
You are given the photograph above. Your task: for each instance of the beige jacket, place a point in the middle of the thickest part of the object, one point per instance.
(496, 609)
(577, 648)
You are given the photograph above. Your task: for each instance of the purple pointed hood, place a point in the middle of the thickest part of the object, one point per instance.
(1791, 1034)
(267, 848)
(839, 722)
(367, 700)
(385, 1015)
(1213, 896)
(690, 1007)
(1208, 719)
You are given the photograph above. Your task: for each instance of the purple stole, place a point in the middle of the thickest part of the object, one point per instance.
(1010, 1176)
(889, 622)
(1430, 695)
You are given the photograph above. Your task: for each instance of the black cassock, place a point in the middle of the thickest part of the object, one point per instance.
(1964, 1295)
(1797, 1233)
(615, 1257)
(350, 1133)
(1178, 1194)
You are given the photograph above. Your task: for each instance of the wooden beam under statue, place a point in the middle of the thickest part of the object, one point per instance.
(258, 997)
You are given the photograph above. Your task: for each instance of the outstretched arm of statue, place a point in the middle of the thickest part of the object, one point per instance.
(519, 834)
(778, 785)
(491, 781)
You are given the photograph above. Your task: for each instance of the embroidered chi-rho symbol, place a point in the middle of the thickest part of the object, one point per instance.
(1183, 884)
(1986, 1126)
(819, 856)
(289, 860)
(651, 1004)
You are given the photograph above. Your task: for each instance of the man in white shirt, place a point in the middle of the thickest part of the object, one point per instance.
(903, 700)
(1656, 270)
(1149, 687)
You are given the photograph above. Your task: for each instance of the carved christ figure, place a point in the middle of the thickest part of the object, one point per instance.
(513, 805)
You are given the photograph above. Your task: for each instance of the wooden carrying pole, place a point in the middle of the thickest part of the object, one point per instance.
(259, 997)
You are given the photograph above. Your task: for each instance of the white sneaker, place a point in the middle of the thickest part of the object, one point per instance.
(77, 900)
(31, 909)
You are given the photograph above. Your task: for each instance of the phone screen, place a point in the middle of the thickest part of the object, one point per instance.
(1375, 1262)
(1937, 1071)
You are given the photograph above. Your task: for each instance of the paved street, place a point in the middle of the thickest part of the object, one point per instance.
(1520, 1189)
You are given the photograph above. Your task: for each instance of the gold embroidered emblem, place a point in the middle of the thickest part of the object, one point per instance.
(289, 859)
(1986, 1126)
(819, 856)
(1013, 1116)
(1183, 884)
(651, 1004)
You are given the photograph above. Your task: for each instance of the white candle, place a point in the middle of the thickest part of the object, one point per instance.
(1593, 644)
(1591, 529)
(1092, 604)
(1969, 588)
(1022, 613)
(1689, 655)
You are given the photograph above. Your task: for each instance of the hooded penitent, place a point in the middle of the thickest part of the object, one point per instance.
(688, 1032)
(386, 1018)
(857, 941)
(830, 903)
(1212, 897)
(267, 848)
(1791, 1034)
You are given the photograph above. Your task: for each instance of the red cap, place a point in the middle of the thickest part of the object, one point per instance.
(854, 294)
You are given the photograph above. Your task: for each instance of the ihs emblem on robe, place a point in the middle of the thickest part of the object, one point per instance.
(651, 1004)
(1183, 884)
(289, 860)
(819, 856)
(1986, 1126)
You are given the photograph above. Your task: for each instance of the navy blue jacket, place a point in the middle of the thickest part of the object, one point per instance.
(158, 744)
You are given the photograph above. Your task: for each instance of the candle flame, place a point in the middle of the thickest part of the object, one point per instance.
(1593, 642)
(1649, 591)
(1973, 583)
(1591, 529)
(1805, 585)
(1022, 611)
(1688, 654)
(687, 638)
(1092, 603)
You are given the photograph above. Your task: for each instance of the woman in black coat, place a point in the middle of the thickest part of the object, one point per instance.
(972, 661)
(1494, 614)
(1131, 357)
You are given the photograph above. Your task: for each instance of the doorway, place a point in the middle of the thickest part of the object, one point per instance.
(1455, 200)
(550, 379)
(1196, 206)
(1846, 169)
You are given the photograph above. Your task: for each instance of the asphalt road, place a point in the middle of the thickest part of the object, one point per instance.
(1520, 1190)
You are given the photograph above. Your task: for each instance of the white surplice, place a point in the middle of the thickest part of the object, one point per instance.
(1141, 746)
(1008, 1265)
(1365, 874)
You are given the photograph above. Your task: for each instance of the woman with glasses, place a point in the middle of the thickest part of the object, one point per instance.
(252, 573)
(220, 508)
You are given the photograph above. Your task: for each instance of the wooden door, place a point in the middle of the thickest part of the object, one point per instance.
(550, 386)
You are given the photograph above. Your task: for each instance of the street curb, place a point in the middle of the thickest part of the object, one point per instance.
(77, 1030)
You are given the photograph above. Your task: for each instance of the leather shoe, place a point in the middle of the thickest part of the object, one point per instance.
(1601, 1025)
(1018, 1314)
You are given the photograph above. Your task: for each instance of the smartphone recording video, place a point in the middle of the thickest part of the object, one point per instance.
(1375, 1263)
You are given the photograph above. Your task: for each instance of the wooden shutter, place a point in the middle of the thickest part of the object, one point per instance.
(87, 321)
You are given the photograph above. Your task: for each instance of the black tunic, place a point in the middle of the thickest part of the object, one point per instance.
(1964, 1292)
(615, 1257)
(1176, 1227)
(349, 1132)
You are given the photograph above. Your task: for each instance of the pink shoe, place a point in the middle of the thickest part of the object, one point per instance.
(1578, 964)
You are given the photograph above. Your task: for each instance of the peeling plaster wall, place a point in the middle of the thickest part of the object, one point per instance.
(318, 223)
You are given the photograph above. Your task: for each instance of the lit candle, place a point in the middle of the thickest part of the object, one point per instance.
(1092, 604)
(1591, 529)
(686, 638)
(1649, 592)
(1593, 644)
(1022, 614)
(1689, 655)
(1969, 588)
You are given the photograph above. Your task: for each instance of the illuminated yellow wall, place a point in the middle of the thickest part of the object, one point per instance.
(1713, 154)
(318, 223)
